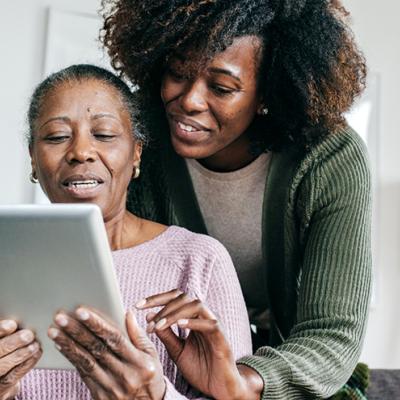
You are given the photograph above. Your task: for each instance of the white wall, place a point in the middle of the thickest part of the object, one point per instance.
(22, 34)
(378, 31)
(22, 45)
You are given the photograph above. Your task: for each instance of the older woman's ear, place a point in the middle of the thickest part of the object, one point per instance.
(138, 151)
(33, 175)
(136, 160)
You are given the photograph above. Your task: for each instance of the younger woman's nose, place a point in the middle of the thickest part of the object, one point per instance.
(194, 97)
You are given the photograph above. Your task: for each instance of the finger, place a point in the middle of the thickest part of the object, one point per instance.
(192, 310)
(158, 299)
(13, 377)
(96, 391)
(172, 306)
(173, 344)
(17, 357)
(207, 326)
(7, 327)
(11, 393)
(84, 362)
(211, 332)
(138, 336)
(17, 340)
(118, 343)
(150, 316)
(85, 338)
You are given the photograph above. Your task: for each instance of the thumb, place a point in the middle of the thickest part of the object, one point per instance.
(173, 344)
(136, 334)
(13, 392)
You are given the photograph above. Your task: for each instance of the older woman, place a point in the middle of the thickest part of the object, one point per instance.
(85, 146)
(244, 100)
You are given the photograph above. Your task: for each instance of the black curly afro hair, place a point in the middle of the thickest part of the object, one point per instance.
(310, 71)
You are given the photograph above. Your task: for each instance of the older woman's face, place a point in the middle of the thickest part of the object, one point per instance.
(83, 148)
(210, 113)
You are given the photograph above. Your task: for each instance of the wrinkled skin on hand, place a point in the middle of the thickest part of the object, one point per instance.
(112, 365)
(19, 352)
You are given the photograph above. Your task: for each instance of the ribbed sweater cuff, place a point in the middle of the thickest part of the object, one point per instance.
(274, 373)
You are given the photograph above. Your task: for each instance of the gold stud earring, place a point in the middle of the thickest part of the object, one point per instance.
(33, 178)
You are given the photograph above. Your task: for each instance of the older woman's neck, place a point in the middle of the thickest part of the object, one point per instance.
(123, 230)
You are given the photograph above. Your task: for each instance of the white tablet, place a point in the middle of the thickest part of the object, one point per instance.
(51, 257)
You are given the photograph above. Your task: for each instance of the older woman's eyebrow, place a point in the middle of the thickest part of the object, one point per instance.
(60, 118)
(224, 71)
(103, 115)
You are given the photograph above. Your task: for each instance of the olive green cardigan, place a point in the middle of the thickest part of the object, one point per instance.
(316, 247)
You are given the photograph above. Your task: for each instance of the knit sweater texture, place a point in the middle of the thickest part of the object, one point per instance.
(316, 249)
(177, 258)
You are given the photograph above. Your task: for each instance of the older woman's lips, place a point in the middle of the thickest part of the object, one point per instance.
(82, 188)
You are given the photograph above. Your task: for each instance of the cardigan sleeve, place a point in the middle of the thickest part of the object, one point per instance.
(324, 344)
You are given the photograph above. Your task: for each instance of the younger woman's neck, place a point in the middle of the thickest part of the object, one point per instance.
(231, 158)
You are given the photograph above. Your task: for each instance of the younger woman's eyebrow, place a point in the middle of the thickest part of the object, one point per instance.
(225, 72)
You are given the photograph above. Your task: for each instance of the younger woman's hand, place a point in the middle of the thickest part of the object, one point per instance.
(112, 365)
(19, 352)
(204, 358)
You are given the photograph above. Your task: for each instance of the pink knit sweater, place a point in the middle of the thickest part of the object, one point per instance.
(197, 265)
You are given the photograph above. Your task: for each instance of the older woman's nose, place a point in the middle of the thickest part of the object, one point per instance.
(81, 150)
(194, 97)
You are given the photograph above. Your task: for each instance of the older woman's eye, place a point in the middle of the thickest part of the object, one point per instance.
(103, 136)
(59, 138)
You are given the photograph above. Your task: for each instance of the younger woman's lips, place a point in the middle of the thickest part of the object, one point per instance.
(190, 136)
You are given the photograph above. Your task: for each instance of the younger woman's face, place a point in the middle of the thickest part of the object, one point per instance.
(209, 114)
(83, 149)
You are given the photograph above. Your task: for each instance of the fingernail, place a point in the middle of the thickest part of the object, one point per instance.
(150, 327)
(8, 324)
(61, 320)
(82, 314)
(53, 333)
(150, 316)
(141, 303)
(160, 323)
(27, 336)
(182, 322)
(33, 347)
(58, 347)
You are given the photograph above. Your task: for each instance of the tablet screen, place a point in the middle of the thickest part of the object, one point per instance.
(55, 257)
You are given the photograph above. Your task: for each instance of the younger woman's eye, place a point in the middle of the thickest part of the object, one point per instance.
(222, 90)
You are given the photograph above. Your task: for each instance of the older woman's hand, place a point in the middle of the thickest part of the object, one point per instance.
(204, 358)
(111, 365)
(19, 352)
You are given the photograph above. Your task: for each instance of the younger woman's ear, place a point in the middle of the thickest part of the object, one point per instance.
(262, 110)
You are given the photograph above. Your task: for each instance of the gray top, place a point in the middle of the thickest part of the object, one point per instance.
(222, 196)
